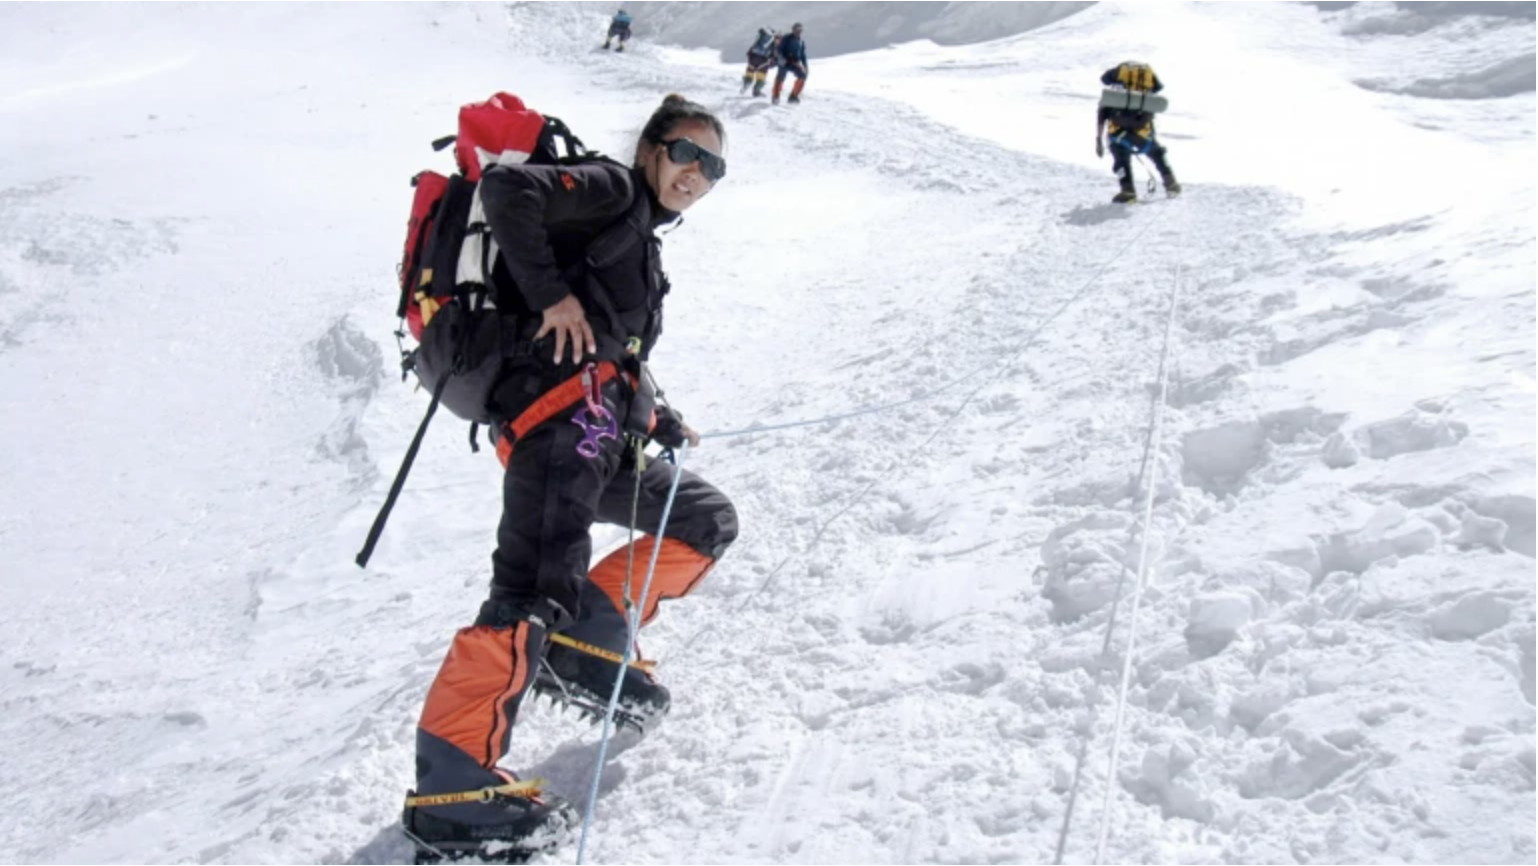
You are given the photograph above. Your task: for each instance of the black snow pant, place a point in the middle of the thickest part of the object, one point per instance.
(1124, 144)
(551, 496)
(541, 583)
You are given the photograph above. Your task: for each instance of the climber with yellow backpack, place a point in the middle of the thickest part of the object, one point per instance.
(1126, 120)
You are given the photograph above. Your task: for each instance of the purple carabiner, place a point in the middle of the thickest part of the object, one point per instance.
(597, 424)
(596, 421)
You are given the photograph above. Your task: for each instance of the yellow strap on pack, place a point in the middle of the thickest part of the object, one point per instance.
(531, 788)
(428, 306)
(1136, 76)
(638, 664)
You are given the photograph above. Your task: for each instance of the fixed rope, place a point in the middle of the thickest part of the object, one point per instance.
(1142, 580)
(1015, 352)
(634, 613)
(1151, 447)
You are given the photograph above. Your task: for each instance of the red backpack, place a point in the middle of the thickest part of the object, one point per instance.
(449, 250)
(446, 297)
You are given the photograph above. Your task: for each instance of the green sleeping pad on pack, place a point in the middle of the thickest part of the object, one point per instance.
(1131, 100)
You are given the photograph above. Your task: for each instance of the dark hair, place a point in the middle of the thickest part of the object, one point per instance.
(674, 110)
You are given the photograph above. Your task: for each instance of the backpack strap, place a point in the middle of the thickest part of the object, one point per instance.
(604, 249)
(575, 149)
(1136, 76)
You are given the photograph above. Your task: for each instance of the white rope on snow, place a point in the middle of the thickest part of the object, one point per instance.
(630, 642)
(998, 372)
(1142, 575)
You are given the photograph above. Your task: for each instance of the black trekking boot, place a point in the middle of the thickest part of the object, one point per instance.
(507, 828)
(578, 679)
(1171, 186)
(1126, 196)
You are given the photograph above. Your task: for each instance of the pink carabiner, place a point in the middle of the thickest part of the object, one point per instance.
(592, 388)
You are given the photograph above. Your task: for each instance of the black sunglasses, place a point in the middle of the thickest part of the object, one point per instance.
(682, 151)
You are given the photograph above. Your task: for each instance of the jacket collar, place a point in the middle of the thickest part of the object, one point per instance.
(648, 211)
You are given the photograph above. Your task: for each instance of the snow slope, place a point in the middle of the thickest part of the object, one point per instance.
(898, 661)
(838, 27)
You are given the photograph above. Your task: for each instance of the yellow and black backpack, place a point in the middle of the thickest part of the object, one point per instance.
(1130, 98)
(1136, 76)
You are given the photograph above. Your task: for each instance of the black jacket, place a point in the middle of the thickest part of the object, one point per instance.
(587, 230)
(792, 49)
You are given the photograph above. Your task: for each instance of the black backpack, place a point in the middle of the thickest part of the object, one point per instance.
(446, 302)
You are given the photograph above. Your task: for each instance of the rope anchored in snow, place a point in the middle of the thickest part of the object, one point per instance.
(1151, 447)
(634, 611)
(1142, 577)
(997, 370)
(1153, 183)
